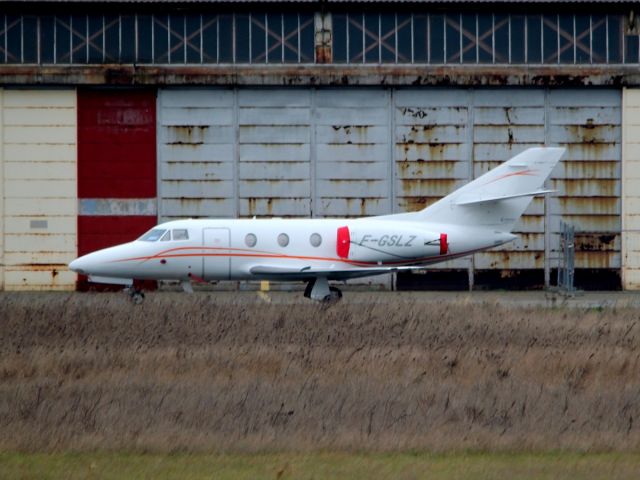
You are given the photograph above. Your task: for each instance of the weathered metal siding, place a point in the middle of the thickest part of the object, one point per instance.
(116, 167)
(504, 124)
(631, 189)
(2, 187)
(273, 152)
(39, 188)
(352, 152)
(274, 128)
(196, 153)
(588, 124)
(431, 148)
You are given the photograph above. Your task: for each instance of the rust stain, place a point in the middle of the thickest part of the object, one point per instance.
(188, 134)
(510, 260)
(595, 259)
(593, 205)
(588, 187)
(596, 242)
(445, 75)
(605, 169)
(591, 133)
(421, 168)
(412, 204)
(252, 201)
(418, 186)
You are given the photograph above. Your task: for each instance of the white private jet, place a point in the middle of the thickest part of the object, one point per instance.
(478, 216)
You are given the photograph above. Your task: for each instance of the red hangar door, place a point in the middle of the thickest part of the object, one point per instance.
(117, 194)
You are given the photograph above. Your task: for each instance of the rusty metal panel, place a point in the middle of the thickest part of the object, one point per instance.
(2, 190)
(274, 141)
(431, 150)
(630, 189)
(588, 123)
(430, 145)
(196, 150)
(39, 188)
(506, 123)
(352, 152)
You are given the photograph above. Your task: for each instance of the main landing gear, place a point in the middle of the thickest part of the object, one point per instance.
(319, 289)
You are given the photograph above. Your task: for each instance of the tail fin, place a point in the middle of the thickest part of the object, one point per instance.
(499, 197)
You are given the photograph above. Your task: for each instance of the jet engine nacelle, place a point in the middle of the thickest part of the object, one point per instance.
(388, 243)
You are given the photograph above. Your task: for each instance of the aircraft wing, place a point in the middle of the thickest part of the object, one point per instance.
(304, 272)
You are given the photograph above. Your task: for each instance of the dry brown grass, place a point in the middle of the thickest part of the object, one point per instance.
(85, 371)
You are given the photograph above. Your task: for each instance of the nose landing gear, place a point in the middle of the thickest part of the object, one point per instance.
(136, 295)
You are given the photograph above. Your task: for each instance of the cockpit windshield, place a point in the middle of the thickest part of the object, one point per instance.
(152, 235)
(165, 235)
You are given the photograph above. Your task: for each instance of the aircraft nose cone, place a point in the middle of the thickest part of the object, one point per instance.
(76, 265)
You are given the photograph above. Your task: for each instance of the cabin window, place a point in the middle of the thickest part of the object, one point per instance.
(153, 235)
(315, 239)
(283, 239)
(250, 240)
(181, 234)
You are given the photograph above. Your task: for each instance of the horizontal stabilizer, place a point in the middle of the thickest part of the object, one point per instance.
(496, 198)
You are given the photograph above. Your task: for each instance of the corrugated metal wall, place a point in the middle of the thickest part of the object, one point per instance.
(630, 190)
(352, 152)
(2, 188)
(116, 167)
(38, 159)
(352, 169)
(588, 123)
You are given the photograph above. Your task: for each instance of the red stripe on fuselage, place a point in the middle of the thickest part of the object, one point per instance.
(224, 252)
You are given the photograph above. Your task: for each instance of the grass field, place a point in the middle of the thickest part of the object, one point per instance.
(458, 466)
(194, 374)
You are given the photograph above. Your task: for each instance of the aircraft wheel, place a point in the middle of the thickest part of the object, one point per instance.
(138, 298)
(334, 296)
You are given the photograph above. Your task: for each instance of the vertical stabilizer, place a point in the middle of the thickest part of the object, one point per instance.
(499, 197)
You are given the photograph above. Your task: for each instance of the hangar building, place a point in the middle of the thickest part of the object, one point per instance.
(117, 115)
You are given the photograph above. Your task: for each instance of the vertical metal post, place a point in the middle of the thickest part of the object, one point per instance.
(547, 210)
(471, 160)
(160, 139)
(88, 35)
(313, 155)
(566, 264)
(2, 190)
(392, 163)
(39, 40)
(236, 151)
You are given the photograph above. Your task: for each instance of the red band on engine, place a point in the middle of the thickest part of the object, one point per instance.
(444, 245)
(344, 241)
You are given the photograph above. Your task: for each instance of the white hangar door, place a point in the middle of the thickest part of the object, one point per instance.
(444, 138)
(274, 152)
(301, 152)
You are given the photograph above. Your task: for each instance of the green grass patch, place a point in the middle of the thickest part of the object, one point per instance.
(334, 465)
